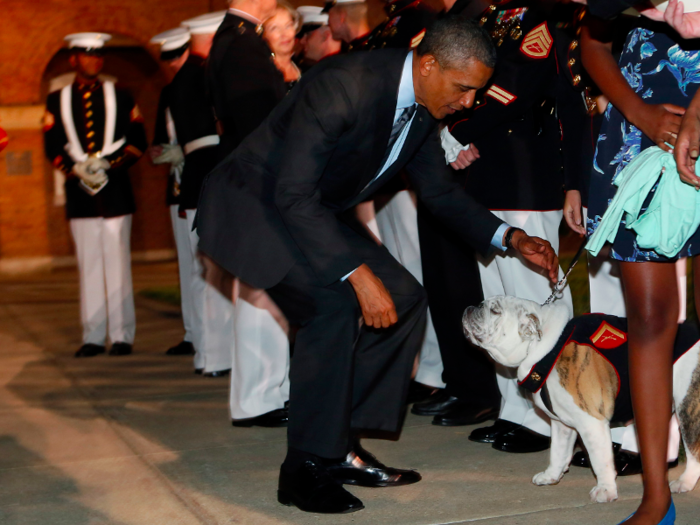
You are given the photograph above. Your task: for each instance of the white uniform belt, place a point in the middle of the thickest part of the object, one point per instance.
(202, 142)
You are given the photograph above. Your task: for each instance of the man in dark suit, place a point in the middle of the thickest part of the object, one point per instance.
(274, 213)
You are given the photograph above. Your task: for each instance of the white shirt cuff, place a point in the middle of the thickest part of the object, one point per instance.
(497, 240)
(343, 279)
(451, 146)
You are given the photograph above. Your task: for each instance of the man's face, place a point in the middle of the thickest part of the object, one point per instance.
(89, 65)
(446, 91)
(336, 21)
(315, 43)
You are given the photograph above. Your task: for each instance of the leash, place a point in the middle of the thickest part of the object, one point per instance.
(559, 287)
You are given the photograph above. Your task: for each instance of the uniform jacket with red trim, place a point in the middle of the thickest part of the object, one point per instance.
(89, 114)
(607, 335)
(515, 122)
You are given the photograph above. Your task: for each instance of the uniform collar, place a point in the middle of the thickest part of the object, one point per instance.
(245, 16)
(407, 95)
(88, 87)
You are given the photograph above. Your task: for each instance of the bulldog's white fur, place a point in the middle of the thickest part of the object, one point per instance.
(519, 333)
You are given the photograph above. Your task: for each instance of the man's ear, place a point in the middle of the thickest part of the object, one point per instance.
(427, 63)
(529, 327)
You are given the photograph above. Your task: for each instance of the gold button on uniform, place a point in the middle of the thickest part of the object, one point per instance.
(91, 145)
(577, 80)
(88, 114)
(87, 95)
(89, 123)
(573, 45)
(88, 104)
(535, 376)
(572, 61)
(90, 134)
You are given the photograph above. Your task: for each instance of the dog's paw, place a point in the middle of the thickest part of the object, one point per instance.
(681, 485)
(544, 479)
(603, 494)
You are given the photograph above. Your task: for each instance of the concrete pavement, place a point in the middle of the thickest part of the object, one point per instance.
(142, 440)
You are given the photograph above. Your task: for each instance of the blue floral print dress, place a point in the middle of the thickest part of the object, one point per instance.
(660, 71)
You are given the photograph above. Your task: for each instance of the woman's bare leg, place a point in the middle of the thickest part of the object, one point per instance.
(651, 297)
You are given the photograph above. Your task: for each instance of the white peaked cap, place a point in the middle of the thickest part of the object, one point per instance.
(205, 24)
(171, 39)
(87, 40)
(311, 14)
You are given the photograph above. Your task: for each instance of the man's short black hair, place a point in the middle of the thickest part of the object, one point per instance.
(455, 40)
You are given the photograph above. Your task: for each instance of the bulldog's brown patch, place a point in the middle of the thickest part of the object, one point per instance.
(589, 378)
(689, 415)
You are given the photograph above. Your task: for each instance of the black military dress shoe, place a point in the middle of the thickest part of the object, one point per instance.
(361, 468)
(199, 371)
(463, 413)
(312, 489)
(438, 403)
(418, 392)
(90, 350)
(217, 373)
(521, 441)
(276, 418)
(182, 348)
(489, 434)
(626, 463)
(120, 349)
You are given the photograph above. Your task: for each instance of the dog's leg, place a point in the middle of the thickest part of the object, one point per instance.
(595, 434)
(690, 475)
(560, 452)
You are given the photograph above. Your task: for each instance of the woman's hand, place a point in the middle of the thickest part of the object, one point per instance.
(688, 144)
(660, 122)
(573, 214)
(686, 25)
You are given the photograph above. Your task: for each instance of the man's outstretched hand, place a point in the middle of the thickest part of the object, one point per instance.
(537, 251)
(375, 301)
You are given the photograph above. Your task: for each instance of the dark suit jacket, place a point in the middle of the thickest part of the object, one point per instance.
(279, 195)
(244, 84)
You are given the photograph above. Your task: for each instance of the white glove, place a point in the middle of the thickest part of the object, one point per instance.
(172, 154)
(92, 171)
(451, 146)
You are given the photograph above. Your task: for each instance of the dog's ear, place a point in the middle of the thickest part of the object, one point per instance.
(530, 327)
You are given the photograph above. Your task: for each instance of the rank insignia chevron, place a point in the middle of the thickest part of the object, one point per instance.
(608, 337)
(537, 43)
(417, 39)
(500, 94)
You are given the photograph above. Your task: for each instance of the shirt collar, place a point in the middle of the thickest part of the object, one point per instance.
(244, 15)
(407, 96)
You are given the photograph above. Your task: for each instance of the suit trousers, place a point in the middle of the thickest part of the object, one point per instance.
(184, 266)
(344, 375)
(103, 250)
(508, 274)
(211, 315)
(451, 278)
(395, 226)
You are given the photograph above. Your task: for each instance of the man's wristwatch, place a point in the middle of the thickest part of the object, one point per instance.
(509, 236)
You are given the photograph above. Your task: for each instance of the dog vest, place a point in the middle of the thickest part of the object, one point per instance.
(607, 335)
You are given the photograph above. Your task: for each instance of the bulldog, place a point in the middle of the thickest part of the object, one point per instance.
(577, 372)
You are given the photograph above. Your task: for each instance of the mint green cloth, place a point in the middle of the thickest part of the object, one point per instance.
(673, 214)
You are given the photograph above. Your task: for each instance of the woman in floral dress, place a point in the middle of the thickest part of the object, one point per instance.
(656, 78)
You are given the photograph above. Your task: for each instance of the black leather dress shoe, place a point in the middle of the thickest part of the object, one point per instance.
(217, 373)
(199, 371)
(521, 441)
(182, 348)
(312, 489)
(488, 434)
(626, 463)
(361, 468)
(438, 403)
(465, 414)
(418, 392)
(120, 349)
(276, 418)
(90, 350)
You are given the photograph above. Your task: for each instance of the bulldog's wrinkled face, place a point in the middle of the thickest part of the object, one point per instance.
(505, 327)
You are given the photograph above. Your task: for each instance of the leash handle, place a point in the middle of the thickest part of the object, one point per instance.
(559, 287)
